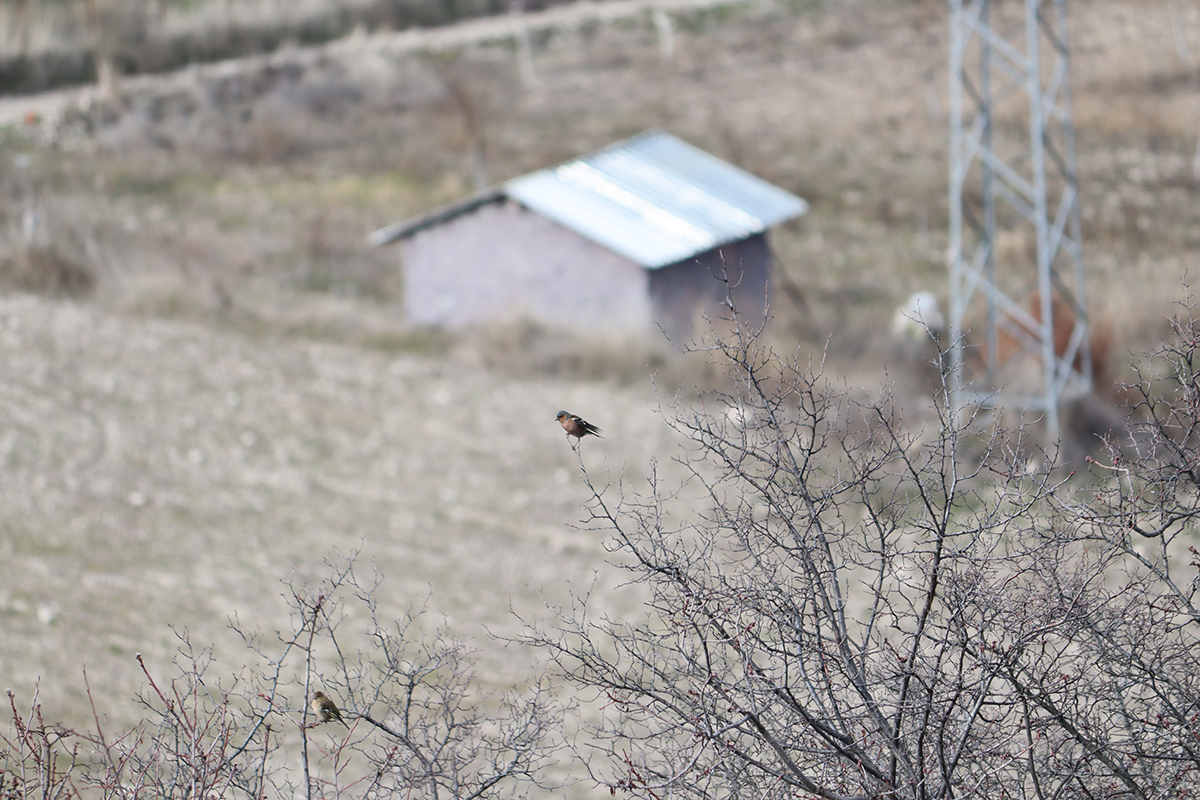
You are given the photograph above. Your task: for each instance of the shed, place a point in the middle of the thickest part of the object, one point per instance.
(635, 235)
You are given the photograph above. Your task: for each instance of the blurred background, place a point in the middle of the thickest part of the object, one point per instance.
(209, 381)
(203, 157)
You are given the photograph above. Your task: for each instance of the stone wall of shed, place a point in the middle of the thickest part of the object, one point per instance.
(683, 293)
(502, 260)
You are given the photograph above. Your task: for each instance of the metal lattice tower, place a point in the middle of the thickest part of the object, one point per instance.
(1018, 321)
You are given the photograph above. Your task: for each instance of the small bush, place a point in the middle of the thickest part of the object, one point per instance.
(46, 271)
(413, 720)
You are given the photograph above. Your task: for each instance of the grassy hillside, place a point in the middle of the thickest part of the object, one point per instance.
(235, 186)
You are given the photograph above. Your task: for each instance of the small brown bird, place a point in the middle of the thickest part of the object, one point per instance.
(325, 709)
(576, 426)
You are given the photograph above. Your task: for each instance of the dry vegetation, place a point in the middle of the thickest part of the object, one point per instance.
(236, 395)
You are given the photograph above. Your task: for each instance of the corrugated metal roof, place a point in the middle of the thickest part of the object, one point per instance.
(436, 217)
(655, 199)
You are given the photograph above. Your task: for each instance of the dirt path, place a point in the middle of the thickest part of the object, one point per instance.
(15, 110)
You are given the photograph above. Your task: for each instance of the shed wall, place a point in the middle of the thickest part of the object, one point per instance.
(504, 260)
(682, 293)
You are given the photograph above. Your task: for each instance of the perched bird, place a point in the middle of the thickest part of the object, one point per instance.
(325, 709)
(577, 426)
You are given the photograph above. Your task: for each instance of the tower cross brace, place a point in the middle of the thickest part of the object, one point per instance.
(1018, 319)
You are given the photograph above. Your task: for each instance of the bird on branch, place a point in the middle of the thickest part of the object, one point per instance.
(325, 709)
(576, 426)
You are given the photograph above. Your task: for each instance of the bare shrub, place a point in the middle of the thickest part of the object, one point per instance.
(865, 613)
(36, 759)
(417, 722)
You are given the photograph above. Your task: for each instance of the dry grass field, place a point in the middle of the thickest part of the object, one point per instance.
(232, 396)
(163, 474)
